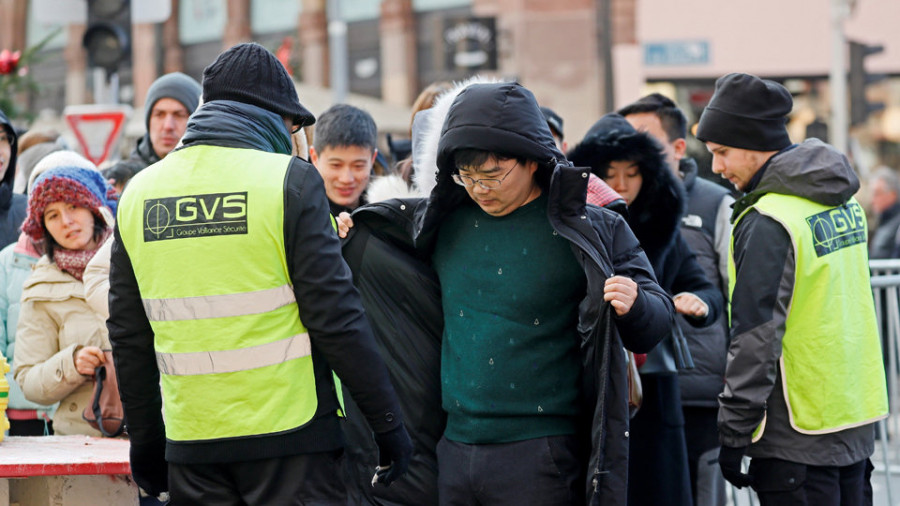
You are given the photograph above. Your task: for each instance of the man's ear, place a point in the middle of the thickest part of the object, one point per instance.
(374, 155)
(680, 146)
(313, 156)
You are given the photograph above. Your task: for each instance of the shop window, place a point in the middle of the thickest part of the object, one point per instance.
(202, 20)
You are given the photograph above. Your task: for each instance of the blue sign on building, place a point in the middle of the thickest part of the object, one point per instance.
(692, 52)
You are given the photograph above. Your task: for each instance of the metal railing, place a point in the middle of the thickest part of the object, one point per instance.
(886, 293)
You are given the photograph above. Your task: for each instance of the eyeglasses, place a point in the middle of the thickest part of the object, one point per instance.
(295, 128)
(487, 183)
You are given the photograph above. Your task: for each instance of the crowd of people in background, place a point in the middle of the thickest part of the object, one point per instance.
(459, 320)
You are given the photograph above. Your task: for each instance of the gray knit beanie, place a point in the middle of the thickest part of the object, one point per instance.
(176, 85)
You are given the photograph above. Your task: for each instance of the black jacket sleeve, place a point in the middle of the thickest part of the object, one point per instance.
(132, 342)
(652, 316)
(689, 277)
(764, 282)
(329, 304)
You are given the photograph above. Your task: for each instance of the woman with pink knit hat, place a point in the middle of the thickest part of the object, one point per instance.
(59, 338)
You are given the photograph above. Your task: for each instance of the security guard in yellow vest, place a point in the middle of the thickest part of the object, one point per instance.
(805, 380)
(230, 301)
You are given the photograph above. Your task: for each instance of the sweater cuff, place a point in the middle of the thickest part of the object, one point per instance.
(65, 369)
(735, 441)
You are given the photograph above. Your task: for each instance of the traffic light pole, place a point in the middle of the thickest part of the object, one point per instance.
(106, 86)
(840, 11)
(337, 51)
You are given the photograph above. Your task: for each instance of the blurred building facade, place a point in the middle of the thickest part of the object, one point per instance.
(682, 47)
(395, 47)
(580, 57)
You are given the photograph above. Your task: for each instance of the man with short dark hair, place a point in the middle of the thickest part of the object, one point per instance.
(344, 150)
(706, 228)
(804, 383)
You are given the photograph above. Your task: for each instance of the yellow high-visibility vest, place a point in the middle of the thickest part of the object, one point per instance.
(207, 245)
(831, 364)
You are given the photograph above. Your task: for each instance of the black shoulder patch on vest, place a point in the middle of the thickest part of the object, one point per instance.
(192, 216)
(837, 228)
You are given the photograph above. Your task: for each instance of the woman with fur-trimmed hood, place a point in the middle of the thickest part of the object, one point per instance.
(632, 163)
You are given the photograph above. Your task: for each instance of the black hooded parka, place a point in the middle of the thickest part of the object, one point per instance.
(12, 205)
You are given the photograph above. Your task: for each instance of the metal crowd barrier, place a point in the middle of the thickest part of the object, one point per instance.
(886, 292)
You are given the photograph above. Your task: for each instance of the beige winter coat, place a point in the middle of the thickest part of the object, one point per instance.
(96, 280)
(54, 320)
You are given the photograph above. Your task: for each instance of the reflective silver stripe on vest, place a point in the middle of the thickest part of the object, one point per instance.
(244, 359)
(218, 306)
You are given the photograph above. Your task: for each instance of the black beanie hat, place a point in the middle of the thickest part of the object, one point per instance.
(554, 121)
(747, 112)
(249, 73)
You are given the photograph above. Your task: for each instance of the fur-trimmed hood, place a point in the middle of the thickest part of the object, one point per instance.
(655, 215)
(426, 134)
(428, 127)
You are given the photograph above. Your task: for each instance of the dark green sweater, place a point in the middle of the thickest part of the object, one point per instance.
(510, 288)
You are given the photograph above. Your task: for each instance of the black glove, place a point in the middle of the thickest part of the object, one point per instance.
(394, 452)
(730, 462)
(149, 467)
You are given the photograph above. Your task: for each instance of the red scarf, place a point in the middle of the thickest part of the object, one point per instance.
(74, 261)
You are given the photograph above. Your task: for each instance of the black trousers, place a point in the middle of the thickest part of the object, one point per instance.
(542, 471)
(307, 479)
(779, 482)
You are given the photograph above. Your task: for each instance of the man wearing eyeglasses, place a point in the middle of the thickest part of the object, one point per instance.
(532, 373)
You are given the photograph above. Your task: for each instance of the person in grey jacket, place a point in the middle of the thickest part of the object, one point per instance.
(12, 205)
(804, 382)
(884, 192)
(707, 230)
